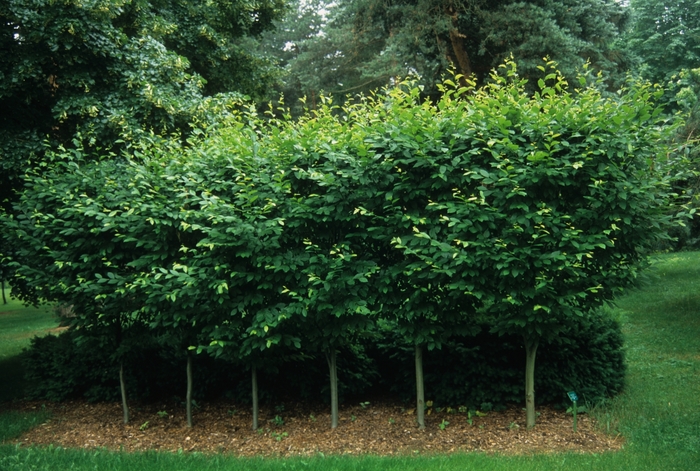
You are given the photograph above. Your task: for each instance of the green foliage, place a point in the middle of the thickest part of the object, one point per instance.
(72, 366)
(518, 212)
(589, 359)
(367, 44)
(469, 370)
(105, 75)
(666, 36)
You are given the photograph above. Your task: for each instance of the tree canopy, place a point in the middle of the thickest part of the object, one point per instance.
(366, 44)
(665, 35)
(523, 210)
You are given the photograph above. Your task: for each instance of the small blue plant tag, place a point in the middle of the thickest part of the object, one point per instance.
(572, 395)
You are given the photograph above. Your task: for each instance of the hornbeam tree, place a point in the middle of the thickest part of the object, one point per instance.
(334, 296)
(74, 230)
(554, 199)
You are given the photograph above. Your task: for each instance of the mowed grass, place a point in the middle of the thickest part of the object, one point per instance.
(660, 409)
(18, 324)
(658, 414)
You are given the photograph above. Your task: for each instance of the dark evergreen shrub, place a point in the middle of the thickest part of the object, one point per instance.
(589, 359)
(489, 369)
(60, 368)
(481, 371)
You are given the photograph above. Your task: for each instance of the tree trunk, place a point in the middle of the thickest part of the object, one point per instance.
(330, 356)
(530, 353)
(460, 57)
(122, 385)
(188, 400)
(420, 392)
(4, 299)
(254, 378)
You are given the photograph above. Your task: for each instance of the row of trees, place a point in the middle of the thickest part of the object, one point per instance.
(493, 205)
(103, 75)
(356, 46)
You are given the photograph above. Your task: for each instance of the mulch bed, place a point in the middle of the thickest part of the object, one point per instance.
(378, 428)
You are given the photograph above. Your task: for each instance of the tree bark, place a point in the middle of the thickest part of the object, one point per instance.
(254, 379)
(122, 386)
(188, 400)
(420, 392)
(331, 357)
(530, 353)
(461, 57)
(4, 299)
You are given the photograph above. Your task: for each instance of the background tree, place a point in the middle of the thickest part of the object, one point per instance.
(367, 44)
(287, 44)
(665, 35)
(665, 39)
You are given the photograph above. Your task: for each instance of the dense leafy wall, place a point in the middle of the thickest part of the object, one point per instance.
(491, 210)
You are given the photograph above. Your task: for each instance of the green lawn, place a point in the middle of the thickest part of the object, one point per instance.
(18, 324)
(659, 412)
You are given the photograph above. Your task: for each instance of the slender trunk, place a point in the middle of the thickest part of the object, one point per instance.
(420, 392)
(122, 385)
(334, 386)
(4, 299)
(188, 399)
(122, 382)
(530, 353)
(254, 378)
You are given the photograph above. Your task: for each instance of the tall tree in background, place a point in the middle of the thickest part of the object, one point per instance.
(368, 43)
(665, 35)
(288, 45)
(665, 38)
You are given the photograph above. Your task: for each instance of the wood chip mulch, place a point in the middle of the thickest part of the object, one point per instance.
(302, 429)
